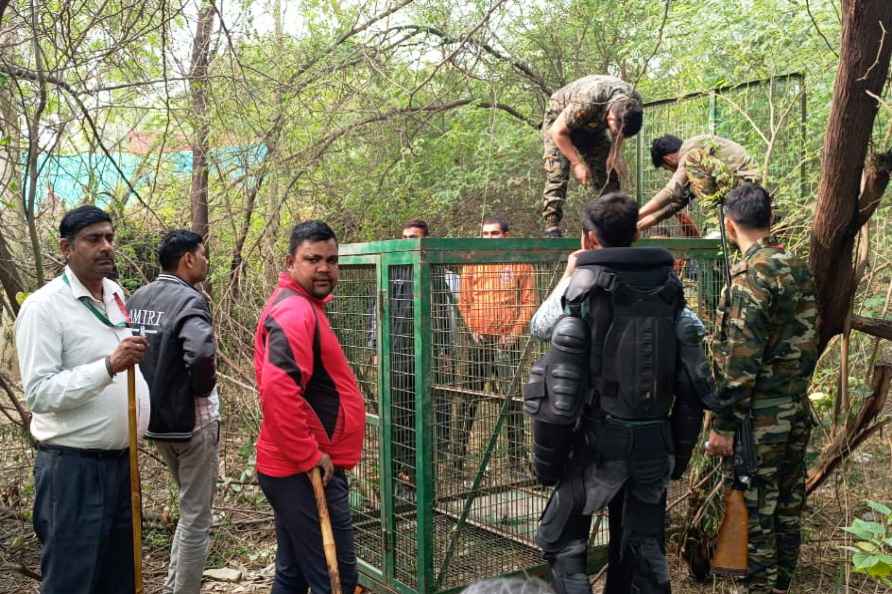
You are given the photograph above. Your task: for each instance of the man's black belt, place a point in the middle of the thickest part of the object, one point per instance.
(83, 452)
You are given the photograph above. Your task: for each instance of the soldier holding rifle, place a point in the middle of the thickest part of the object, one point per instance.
(765, 352)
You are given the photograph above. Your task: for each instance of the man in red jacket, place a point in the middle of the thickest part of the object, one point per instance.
(313, 414)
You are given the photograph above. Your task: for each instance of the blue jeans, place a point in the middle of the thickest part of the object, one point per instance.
(82, 519)
(300, 560)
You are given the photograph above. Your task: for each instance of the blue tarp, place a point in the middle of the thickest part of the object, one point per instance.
(72, 176)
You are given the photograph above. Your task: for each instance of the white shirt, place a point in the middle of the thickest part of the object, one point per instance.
(62, 348)
(551, 310)
(207, 410)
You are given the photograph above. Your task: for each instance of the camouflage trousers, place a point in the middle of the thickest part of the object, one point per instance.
(594, 148)
(776, 496)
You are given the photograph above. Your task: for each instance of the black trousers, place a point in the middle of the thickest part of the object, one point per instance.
(620, 573)
(628, 474)
(82, 519)
(300, 559)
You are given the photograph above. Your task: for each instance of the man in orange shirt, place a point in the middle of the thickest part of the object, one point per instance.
(496, 302)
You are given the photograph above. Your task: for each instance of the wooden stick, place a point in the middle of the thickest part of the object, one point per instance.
(135, 495)
(328, 541)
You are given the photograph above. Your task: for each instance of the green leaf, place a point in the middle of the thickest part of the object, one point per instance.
(879, 507)
(875, 303)
(21, 296)
(866, 530)
(867, 547)
(864, 562)
(880, 568)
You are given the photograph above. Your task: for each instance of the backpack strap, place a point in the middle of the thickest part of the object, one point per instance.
(587, 277)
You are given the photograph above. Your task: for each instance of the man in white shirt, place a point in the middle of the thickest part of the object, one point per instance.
(74, 348)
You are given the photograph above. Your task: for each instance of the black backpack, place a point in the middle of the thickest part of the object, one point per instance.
(631, 298)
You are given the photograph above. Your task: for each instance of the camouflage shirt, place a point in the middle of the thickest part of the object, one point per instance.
(586, 101)
(766, 343)
(709, 166)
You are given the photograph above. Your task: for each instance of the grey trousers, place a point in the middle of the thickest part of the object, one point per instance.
(193, 465)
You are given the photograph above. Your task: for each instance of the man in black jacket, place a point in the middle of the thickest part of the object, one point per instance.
(179, 368)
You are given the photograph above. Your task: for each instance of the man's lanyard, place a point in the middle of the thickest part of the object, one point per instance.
(88, 303)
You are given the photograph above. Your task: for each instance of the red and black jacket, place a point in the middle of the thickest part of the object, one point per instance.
(309, 397)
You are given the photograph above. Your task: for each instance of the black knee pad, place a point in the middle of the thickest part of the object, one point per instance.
(566, 503)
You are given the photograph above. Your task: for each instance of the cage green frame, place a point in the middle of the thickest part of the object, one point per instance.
(456, 528)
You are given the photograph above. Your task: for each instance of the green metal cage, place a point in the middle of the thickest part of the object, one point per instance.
(444, 494)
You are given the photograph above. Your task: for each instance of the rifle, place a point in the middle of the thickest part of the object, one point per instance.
(727, 265)
(730, 556)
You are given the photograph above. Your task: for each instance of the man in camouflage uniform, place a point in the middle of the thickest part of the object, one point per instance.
(765, 352)
(584, 127)
(705, 167)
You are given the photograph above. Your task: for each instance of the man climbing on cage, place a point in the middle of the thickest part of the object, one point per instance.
(705, 167)
(616, 404)
(583, 131)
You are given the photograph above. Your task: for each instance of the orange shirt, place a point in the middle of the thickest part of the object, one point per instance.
(497, 299)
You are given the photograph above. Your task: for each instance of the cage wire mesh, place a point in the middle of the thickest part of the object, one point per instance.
(445, 494)
(354, 317)
(766, 117)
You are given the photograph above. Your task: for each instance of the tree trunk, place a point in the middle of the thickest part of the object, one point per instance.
(863, 67)
(198, 84)
(10, 279)
(9, 275)
(29, 186)
(271, 264)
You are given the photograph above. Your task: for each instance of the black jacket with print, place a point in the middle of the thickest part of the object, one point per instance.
(179, 364)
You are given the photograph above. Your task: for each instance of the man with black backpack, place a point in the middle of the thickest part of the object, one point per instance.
(627, 375)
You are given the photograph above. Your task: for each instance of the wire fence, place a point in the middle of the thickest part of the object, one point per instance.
(766, 117)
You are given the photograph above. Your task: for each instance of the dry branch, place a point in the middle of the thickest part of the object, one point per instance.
(24, 415)
(855, 433)
(873, 326)
(537, 79)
